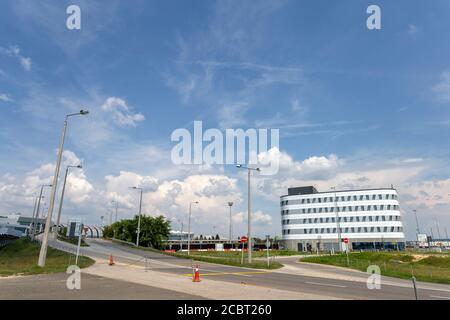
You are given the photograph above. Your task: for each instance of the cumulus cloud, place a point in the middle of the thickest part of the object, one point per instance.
(258, 217)
(5, 97)
(18, 193)
(442, 89)
(15, 52)
(121, 113)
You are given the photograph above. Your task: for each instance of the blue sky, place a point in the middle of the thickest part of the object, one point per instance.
(355, 108)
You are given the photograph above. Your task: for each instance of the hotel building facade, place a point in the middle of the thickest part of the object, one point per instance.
(369, 219)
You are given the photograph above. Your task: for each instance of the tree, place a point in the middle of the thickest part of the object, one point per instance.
(154, 231)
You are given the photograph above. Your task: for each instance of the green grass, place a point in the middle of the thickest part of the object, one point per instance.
(237, 254)
(227, 260)
(435, 268)
(21, 256)
(72, 240)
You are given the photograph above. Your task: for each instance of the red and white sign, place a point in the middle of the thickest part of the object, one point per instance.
(345, 240)
(243, 239)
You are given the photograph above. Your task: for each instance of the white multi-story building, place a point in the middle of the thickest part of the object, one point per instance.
(369, 219)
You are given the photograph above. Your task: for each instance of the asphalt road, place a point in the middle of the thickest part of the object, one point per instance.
(292, 282)
(53, 287)
(289, 281)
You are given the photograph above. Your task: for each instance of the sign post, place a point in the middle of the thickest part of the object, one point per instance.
(267, 248)
(243, 240)
(79, 244)
(345, 240)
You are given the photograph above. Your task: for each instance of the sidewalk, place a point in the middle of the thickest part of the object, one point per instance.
(210, 289)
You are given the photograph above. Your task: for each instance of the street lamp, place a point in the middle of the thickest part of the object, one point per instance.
(116, 205)
(33, 230)
(230, 204)
(417, 221)
(338, 224)
(140, 210)
(189, 226)
(249, 235)
(181, 234)
(62, 194)
(43, 252)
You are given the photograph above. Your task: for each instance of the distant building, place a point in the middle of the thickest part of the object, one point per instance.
(369, 218)
(179, 235)
(19, 226)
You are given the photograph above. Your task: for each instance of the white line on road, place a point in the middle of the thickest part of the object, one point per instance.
(440, 297)
(326, 284)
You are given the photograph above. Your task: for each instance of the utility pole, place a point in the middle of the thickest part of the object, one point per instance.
(249, 211)
(189, 226)
(33, 232)
(417, 221)
(43, 252)
(140, 211)
(230, 204)
(338, 224)
(437, 227)
(181, 235)
(62, 195)
(33, 216)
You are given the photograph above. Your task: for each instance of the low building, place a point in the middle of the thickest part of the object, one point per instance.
(368, 218)
(19, 226)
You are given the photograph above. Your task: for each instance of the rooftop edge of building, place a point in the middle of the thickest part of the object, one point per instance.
(306, 190)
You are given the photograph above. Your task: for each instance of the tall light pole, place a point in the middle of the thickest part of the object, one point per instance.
(62, 194)
(249, 211)
(437, 227)
(338, 224)
(43, 252)
(116, 205)
(33, 216)
(189, 226)
(33, 232)
(181, 234)
(230, 204)
(140, 211)
(417, 221)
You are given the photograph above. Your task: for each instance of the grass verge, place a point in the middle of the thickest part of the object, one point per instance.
(73, 241)
(229, 261)
(219, 258)
(21, 256)
(435, 268)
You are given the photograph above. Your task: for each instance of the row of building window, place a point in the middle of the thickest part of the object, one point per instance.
(341, 198)
(342, 219)
(343, 230)
(342, 209)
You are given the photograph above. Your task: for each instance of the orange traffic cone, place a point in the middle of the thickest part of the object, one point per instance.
(111, 261)
(196, 275)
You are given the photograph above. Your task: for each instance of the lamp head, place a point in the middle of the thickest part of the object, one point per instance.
(84, 112)
(79, 166)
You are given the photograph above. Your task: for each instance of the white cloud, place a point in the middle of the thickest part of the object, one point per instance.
(258, 217)
(232, 115)
(442, 89)
(121, 112)
(14, 51)
(412, 29)
(5, 97)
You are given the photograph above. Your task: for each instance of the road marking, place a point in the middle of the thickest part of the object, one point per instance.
(326, 284)
(243, 273)
(440, 297)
